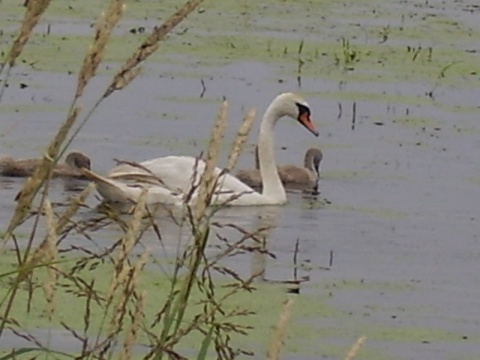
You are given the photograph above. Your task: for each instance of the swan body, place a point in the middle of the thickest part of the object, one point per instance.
(230, 189)
(292, 176)
(168, 179)
(74, 161)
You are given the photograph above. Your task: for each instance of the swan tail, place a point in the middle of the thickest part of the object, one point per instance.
(110, 190)
(90, 175)
(138, 177)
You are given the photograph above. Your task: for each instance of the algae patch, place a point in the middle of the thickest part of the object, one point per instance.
(370, 96)
(265, 303)
(30, 108)
(376, 212)
(345, 174)
(244, 38)
(416, 122)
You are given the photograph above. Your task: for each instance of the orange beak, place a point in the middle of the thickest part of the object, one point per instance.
(305, 120)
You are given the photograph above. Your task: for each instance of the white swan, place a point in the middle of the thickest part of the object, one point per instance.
(169, 178)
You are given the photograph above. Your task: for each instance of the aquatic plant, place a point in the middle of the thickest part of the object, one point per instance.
(349, 56)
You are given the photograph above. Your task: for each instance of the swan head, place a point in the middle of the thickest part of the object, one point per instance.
(294, 106)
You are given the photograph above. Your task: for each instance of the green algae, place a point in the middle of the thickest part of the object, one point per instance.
(352, 284)
(64, 54)
(331, 349)
(356, 321)
(396, 333)
(266, 302)
(317, 327)
(474, 180)
(373, 97)
(416, 122)
(345, 174)
(313, 328)
(377, 212)
(30, 108)
(459, 109)
(321, 58)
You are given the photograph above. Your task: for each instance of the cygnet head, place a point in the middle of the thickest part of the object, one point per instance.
(294, 106)
(314, 155)
(78, 160)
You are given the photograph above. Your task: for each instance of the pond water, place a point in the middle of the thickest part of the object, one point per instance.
(392, 241)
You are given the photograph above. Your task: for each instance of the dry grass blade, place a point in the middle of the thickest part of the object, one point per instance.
(34, 182)
(132, 332)
(73, 208)
(129, 70)
(242, 136)
(207, 180)
(127, 78)
(103, 28)
(35, 9)
(146, 175)
(273, 352)
(127, 243)
(355, 348)
(51, 253)
(45, 253)
(129, 283)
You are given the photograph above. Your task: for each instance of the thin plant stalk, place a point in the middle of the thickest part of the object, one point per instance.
(279, 332)
(355, 348)
(174, 318)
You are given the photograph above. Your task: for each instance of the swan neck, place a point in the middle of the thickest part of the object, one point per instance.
(308, 161)
(272, 185)
(257, 160)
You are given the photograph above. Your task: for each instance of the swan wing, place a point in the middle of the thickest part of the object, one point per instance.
(177, 174)
(174, 172)
(293, 174)
(123, 191)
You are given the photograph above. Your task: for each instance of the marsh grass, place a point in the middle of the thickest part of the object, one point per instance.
(115, 318)
(349, 56)
(300, 63)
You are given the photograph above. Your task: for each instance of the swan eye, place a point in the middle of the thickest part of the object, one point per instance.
(302, 109)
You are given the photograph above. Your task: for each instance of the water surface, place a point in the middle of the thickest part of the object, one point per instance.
(400, 174)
